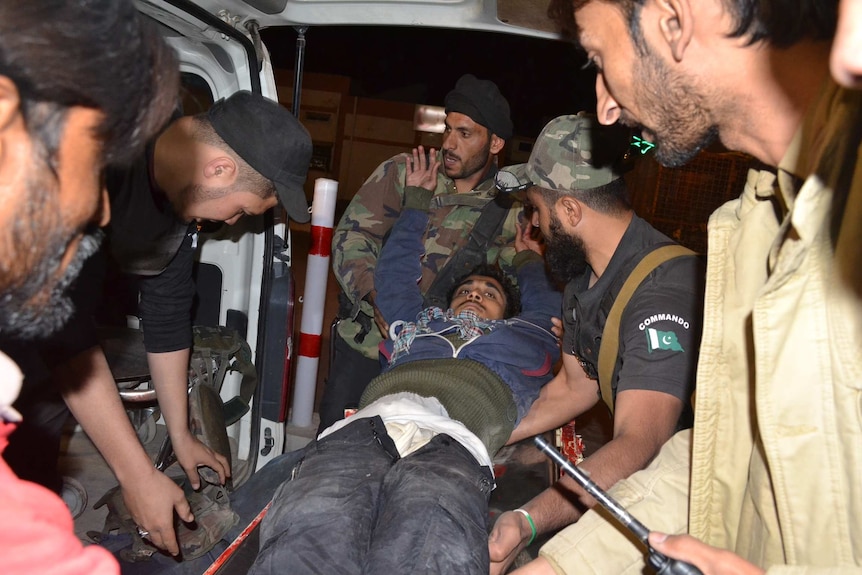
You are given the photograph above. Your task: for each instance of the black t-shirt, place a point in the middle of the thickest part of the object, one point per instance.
(147, 238)
(144, 233)
(660, 328)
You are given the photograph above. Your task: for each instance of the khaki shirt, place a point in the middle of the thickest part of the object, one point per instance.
(776, 449)
(777, 442)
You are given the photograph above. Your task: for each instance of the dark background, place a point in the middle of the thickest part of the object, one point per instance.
(542, 79)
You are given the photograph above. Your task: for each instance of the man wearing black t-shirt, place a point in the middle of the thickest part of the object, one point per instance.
(593, 241)
(242, 157)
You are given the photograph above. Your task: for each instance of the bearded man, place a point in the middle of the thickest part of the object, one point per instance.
(593, 241)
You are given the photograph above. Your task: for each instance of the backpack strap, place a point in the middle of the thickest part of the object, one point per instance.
(487, 227)
(610, 345)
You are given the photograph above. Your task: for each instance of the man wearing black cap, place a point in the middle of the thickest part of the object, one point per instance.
(242, 157)
(461, 183)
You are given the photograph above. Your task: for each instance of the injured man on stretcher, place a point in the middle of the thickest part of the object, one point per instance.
(403, 485)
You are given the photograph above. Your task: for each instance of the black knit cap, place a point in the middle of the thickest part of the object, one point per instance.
(271, 140)
(482, 101)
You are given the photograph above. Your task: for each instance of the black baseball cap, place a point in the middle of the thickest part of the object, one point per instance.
(271, 140)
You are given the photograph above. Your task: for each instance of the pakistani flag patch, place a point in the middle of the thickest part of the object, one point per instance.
(662, 340)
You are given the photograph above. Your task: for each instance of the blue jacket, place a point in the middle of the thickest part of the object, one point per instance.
(521, 350)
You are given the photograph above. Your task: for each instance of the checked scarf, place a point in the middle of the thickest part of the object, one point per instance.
(469, 325)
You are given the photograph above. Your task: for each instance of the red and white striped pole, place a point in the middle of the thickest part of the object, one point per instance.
(322, 220)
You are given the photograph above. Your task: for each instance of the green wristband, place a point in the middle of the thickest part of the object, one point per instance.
(531, 522)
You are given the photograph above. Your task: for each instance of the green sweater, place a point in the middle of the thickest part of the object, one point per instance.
(470, 392)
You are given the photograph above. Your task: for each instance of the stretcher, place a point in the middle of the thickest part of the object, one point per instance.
(521, 472)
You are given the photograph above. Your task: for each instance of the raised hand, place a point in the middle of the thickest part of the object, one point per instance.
(524, 239)
(421, 169)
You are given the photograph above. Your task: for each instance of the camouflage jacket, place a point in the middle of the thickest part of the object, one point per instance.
(359, 236)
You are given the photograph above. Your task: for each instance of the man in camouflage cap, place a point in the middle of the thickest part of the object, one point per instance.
(573, 180)
(460, 180)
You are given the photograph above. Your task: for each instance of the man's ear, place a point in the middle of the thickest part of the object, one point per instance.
(222, 168)
(676, 25)
(14, 137)
(497, 144)
(569, 211)
(10, 103)
(104, 215)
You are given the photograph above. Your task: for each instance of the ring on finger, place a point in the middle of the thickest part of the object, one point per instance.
(142, 533)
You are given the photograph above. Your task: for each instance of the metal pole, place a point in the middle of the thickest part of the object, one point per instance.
(661, 563)
(297, 72)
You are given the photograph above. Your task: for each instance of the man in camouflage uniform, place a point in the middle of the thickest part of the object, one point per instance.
(593, 240)
(477, 126)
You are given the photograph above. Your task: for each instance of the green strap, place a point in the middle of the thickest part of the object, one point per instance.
(610, 346)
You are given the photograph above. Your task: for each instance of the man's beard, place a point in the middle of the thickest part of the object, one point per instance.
(186, 203)
(190, 195)
(37, 304)
(565, 254)
(41, 305)
(678, 112)
(472, 164)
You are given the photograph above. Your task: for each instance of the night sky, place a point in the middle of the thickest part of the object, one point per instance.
(541, 79)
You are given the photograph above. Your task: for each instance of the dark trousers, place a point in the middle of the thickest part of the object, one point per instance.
(349, 375)
(353, 506)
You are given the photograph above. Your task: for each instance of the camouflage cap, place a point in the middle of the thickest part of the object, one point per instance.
(575, 152)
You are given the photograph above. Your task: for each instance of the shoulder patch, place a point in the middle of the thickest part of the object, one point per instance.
(662, 340)
(657, 317)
